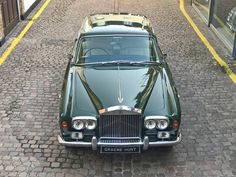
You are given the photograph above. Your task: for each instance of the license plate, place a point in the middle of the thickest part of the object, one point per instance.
(115, 149)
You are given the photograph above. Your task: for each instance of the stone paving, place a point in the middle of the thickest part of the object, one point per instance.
(31, 80)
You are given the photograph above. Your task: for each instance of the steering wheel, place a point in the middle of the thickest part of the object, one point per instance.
(101, 49)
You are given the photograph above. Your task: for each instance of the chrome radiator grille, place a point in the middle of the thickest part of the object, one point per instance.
(120, 124)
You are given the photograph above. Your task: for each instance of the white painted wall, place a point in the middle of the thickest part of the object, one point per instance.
(27, 4)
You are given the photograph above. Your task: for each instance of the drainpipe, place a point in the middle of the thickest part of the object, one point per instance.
(18, 7)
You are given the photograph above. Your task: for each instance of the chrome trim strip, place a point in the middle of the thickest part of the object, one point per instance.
(120, 98)
(156, 118)
(166, 143)
(126, 108)
(121, 144)
(73, 143)
(118, 138)
(94, 143)
(84, 118)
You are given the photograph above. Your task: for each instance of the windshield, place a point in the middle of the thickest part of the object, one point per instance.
(111, 48)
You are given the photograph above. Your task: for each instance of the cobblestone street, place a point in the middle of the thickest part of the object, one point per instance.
(31, 81)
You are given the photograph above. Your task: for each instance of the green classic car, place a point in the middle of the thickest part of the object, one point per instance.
(118, 94)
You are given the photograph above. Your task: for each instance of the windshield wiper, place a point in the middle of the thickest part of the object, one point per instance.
(146, 62)
(118, 62)
(104, 63)
(89, 64)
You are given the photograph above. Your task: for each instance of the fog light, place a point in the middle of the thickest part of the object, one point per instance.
(163, 135)
(77, 135)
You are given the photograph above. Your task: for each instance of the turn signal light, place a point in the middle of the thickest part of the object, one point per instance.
(64, 124)
(175, 124)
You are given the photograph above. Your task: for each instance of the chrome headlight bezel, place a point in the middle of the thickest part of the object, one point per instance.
(83, 120)
(89, 127)
(162, 124)
(149, 122)
(78, 124)
(159, 121)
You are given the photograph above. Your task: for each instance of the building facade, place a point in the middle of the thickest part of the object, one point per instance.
(220, 15)
(11, 12)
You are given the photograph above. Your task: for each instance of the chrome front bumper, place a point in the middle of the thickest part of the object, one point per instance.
(94, 143)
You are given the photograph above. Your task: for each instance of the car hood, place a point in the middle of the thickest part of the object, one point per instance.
(97, 88)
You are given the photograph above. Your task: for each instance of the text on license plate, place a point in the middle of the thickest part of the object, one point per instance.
(112, 149)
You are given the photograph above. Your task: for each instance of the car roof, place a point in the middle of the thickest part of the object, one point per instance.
(116, 23)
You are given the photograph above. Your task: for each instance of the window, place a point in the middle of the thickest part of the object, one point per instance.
(203, 6)
(222, 10)
(112, 48)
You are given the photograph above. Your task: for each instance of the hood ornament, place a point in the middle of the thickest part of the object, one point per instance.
(120, 98)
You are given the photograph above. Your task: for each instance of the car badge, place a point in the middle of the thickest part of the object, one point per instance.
(102, 111)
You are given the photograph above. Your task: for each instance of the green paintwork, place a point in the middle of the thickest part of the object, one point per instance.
(145, 87)
(149, 87)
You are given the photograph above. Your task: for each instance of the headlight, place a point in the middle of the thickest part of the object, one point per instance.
(162, 124)
(78, 124)
(159, 122)
(82, 122)
(150, 124)
(90, 124)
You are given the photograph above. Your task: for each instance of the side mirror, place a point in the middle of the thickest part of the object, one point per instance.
(164, 55)
(69, 56)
